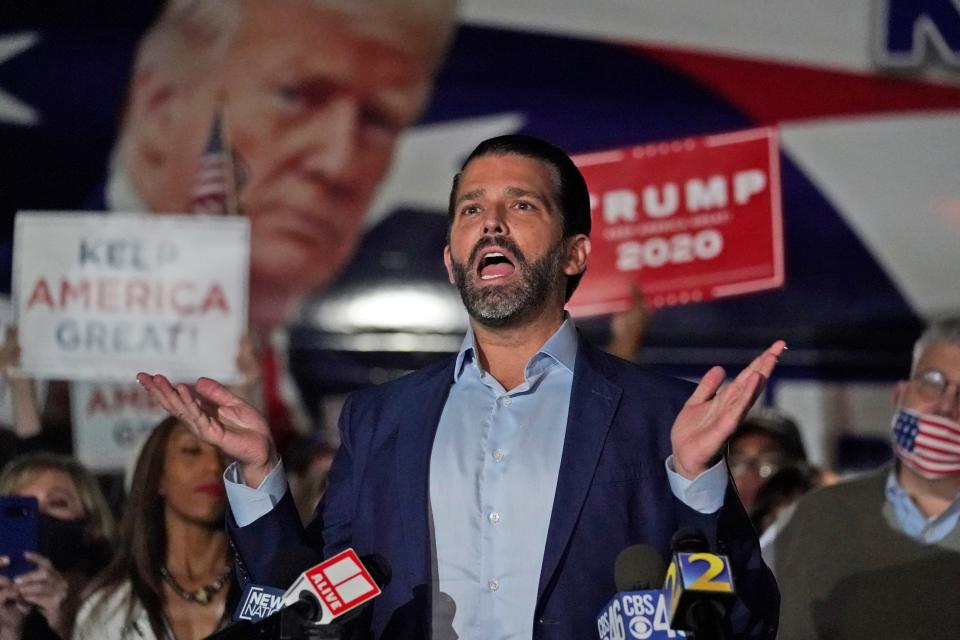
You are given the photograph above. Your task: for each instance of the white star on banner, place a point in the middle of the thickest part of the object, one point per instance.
(14, 111)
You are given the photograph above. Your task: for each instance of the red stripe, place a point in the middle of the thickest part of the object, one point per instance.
(936, 436)
(797, 92)
(949, 425)
(210, 198)
(931, 453)
(920, 465)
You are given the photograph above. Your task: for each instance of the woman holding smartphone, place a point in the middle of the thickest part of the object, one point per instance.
(74, 529)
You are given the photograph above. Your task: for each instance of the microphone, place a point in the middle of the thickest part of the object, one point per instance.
(339, 584)
(639, 567)
(261, 600)
(639, 610)
(698, 587)
(335, 589)
(292, 622)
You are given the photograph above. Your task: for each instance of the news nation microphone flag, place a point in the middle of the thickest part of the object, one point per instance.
(929, 443)
(258, 602)
(340, 583)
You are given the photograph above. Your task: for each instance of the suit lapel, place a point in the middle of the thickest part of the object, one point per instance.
(417, 428)
(593, 401)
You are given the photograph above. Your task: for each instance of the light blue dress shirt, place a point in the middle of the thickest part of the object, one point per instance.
(912, 521)
(493, 475)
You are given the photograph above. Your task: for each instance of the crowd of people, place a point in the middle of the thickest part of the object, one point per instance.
(853, 559)
(314, 126)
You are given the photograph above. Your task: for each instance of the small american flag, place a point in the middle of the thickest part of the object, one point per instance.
(929, 443)
(212, 187)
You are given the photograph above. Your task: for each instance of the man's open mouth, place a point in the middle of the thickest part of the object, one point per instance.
(493, 265)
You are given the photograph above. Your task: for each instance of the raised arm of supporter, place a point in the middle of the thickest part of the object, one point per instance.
(709, 416)
(23, 394)
(629, 328)
(251, 374)
(221, 418)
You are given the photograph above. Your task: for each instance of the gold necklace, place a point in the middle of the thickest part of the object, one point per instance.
(204, 594)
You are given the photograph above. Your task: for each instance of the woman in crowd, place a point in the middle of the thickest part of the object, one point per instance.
(171, 577)
(74, 530)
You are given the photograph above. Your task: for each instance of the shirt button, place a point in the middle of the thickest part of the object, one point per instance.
(498, 455)
(507, 401)
(494, 517)
(494, 585)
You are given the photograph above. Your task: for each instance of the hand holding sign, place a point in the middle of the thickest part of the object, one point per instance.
(217, 416)
(708, 417)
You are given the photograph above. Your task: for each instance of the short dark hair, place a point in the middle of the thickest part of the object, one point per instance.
(777, 425)
(571, 189)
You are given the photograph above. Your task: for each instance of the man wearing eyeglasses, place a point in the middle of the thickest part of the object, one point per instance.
(765, 442)
(879, 557)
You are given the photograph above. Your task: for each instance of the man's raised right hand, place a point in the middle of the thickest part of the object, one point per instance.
(221, 418)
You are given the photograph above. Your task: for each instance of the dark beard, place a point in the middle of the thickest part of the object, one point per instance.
(510, 304)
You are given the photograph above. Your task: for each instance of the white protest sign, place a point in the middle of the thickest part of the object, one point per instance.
(110, 420)
(103, 296)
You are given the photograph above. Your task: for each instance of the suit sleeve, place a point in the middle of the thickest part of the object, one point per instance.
(756, 611)
(275, 548)
(272, 550)
(333, 520)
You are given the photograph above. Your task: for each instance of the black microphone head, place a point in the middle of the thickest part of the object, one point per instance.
(689, 540)
(308, 606)
(379, 568)
(639, 567)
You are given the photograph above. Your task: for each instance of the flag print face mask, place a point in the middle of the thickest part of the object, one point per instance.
(928, 444)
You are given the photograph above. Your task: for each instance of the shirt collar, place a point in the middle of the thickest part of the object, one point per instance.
(560, 347)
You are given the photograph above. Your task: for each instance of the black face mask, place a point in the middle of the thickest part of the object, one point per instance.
(63, 542)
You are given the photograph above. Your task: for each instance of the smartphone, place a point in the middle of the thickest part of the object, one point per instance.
(18, 533)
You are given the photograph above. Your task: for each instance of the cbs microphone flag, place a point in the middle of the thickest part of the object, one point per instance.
(636, 615)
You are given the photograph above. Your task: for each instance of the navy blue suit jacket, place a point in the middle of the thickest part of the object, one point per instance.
(612, 492)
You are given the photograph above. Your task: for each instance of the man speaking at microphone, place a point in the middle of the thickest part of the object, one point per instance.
(502, 484)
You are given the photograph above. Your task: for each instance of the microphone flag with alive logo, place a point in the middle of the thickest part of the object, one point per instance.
(339, 583)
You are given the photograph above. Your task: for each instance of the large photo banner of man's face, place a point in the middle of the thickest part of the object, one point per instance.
(310, 98)
(335, 126)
